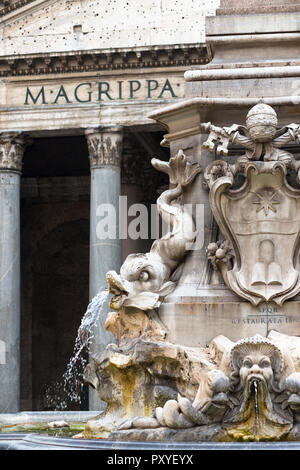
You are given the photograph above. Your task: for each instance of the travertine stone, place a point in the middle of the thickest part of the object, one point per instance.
(212, 433)
(235, 319)
(249, 383)
(132, 381)
(255, 394)
(76, 27)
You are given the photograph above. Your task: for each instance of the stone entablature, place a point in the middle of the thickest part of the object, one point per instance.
(75, 101)
(104, 59)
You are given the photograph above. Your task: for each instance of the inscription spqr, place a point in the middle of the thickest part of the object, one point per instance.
(269, 315)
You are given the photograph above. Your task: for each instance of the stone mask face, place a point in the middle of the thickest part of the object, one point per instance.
(256, 367)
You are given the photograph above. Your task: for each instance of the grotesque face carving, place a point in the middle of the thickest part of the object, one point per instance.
(258, 367)
(256, 359)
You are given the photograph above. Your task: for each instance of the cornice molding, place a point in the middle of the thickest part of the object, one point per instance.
(7, 6)
(109, 59)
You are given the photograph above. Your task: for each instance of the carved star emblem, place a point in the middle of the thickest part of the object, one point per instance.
(266, 203)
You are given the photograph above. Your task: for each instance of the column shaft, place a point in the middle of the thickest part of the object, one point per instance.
(11, 153)
(105, 150)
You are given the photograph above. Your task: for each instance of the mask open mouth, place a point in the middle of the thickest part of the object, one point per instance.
(118, 288)
(255, 378)
(256, 384)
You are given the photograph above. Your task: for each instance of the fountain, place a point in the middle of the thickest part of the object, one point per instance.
(163, 380)
(207, 322)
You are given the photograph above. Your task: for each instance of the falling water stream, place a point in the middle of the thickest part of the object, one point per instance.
(69, 388)
(255, 385)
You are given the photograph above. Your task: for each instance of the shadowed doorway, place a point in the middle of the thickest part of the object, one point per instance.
(54, 262)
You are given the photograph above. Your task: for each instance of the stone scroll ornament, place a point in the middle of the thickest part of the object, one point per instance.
(144, 278)
(261, 216)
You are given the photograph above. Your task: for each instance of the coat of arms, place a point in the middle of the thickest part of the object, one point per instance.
(260, 218)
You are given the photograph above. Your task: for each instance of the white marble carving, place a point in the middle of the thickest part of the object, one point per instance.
(261, 216)
(144, 278)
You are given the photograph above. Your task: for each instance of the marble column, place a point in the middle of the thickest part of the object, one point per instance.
(105, 152)
(11, 154)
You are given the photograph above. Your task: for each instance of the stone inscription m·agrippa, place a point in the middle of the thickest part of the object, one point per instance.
(104, 91)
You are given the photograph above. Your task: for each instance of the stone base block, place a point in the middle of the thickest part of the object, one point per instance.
(195, 324)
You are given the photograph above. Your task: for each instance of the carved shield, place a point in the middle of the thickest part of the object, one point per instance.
(261, 219)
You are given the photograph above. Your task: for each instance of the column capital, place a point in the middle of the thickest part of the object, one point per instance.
(12, 146)
(105, 145)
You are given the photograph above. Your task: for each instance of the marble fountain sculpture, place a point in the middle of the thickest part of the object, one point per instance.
(240, 388)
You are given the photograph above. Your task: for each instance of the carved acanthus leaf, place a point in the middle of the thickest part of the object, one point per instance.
(12, 146)
(105, 146)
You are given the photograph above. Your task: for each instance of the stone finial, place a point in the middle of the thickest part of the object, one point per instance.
(105, 146)
(261, 122)
(12, 146)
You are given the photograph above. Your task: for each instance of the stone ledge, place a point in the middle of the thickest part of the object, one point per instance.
(258, 9)
(282, 22)
(213, 433)
(106, 59)
(35, 442)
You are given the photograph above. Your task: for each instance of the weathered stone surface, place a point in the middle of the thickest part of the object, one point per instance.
(136, 381)
(213, 433)
(118, 25)
(254, 396)
(251, 387)
(270, 274)
(288, 343)
(184, 315)
(12, 147)
(129, 327)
